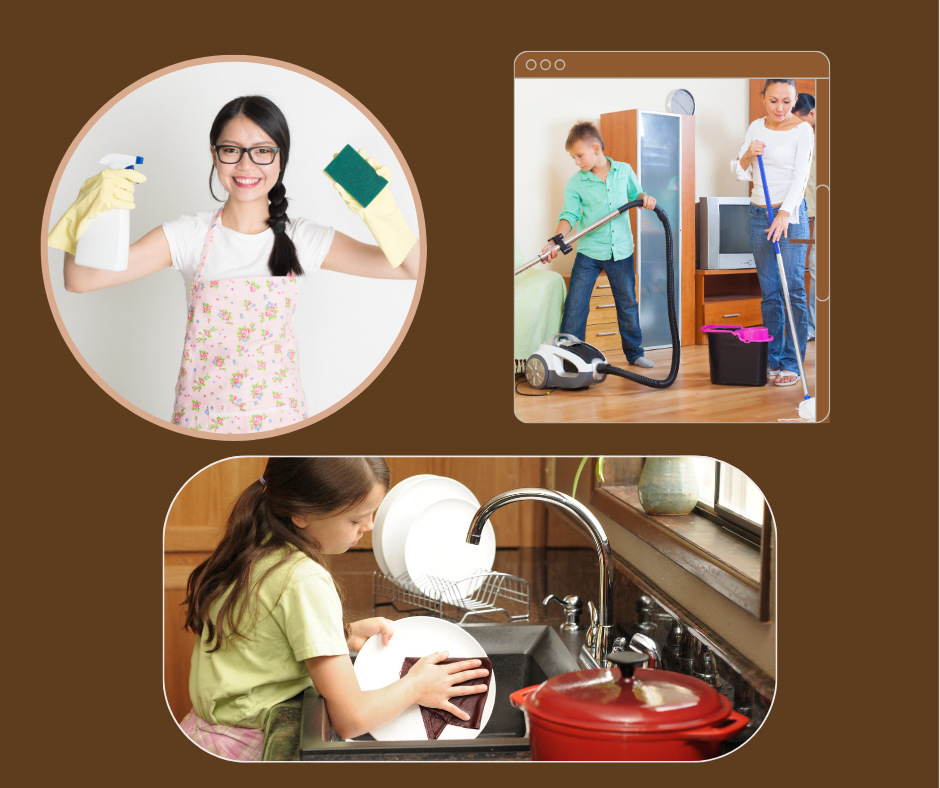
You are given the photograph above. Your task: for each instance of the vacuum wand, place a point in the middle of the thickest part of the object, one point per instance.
(563, 245)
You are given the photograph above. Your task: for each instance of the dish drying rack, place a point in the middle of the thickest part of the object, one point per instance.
(497, 592)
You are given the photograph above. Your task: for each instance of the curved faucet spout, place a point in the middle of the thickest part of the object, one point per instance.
(600, 635)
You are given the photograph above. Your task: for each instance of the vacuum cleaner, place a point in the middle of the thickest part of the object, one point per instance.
(566, 362)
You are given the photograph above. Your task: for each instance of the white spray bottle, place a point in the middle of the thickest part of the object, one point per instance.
(106, 239)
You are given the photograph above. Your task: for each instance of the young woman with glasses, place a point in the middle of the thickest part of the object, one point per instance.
(243, 265)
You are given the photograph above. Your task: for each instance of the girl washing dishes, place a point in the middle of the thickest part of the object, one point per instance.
(786, 145)
(243, 266)
(269, 620)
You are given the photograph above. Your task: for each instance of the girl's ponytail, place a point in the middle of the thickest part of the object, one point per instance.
(283, 260)
(223, 569)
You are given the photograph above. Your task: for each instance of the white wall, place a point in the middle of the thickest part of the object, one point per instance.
(545, 110)
(132, 335)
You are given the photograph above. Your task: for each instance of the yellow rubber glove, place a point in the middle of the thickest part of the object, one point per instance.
(382, 217)
(106, 190)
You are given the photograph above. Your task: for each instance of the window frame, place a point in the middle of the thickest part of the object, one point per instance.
(727, 518)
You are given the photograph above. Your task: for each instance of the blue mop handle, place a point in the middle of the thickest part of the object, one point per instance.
(770, 218)
(763, 180)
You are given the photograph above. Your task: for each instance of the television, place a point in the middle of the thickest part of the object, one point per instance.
(722, 241)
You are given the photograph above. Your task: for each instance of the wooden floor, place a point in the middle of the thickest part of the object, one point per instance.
(692, 398)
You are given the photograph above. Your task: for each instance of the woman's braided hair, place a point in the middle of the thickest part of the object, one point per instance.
(265, 113)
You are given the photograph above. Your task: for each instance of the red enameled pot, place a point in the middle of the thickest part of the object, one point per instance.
(624, 713)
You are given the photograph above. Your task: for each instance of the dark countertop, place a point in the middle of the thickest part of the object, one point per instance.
(560, 571)
(573, 571)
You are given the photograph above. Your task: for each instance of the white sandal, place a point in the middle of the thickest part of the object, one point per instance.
(772, 373)
(788, 380)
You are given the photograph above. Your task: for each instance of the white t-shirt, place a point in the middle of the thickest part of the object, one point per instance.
(236, 255)
(787, 159)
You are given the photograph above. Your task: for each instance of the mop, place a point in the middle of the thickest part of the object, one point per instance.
(807, 409)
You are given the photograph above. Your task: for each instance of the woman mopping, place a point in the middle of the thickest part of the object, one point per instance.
(786, 145)
(242, 265)
(269, 621)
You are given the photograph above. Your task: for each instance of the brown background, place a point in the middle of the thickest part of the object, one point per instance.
(855, 500)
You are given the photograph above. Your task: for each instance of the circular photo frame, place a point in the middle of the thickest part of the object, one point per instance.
(129, 329)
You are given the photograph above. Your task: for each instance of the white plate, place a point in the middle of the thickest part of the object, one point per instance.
(406, 507)
(378, 666)
(382, 511)
(437, 548)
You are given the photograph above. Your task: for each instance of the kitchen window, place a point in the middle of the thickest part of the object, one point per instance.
(729, 498)
(722, 542)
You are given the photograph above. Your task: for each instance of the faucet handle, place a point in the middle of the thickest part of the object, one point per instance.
(591, 638)
(572, 606)
(706, 669)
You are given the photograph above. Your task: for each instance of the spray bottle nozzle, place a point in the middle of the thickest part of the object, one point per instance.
(120, 161)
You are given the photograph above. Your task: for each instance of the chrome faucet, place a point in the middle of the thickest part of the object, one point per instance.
(601, 631)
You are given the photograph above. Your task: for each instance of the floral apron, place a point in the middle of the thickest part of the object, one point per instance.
(240, 368)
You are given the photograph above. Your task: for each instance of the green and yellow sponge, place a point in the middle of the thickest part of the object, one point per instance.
(356, 176)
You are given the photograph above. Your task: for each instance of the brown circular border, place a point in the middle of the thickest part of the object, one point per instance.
(422, 235)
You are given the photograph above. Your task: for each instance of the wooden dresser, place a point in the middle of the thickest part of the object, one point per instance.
(729, 297)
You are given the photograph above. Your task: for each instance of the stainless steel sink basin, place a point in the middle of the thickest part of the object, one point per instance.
(522, 655)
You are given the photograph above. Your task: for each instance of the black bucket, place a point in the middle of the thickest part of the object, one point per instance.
(737, 356)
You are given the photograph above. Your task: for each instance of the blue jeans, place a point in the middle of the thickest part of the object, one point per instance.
(781, 354)
(811, 266)
(622, 277)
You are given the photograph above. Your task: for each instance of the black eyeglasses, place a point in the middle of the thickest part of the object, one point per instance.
(232, 154)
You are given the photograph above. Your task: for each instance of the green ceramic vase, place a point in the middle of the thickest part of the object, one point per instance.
(668, 485)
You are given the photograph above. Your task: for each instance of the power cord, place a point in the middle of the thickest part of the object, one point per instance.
(521, 394)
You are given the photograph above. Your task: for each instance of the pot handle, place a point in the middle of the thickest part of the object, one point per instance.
(518, 697)
(720, 731)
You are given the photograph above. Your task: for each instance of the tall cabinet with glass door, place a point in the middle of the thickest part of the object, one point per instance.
(660, 147)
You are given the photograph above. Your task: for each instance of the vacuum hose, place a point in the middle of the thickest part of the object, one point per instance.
(671, 298)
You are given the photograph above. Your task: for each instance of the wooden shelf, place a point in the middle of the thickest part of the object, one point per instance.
(706, 272)
(712, 299)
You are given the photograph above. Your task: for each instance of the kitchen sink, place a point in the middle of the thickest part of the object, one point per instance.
(522, 655)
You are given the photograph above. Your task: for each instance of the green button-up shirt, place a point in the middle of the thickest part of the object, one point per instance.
(588, 198)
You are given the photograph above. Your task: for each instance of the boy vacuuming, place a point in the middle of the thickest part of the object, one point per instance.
(600, 186)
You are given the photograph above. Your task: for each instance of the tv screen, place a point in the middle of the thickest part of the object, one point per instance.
(733, 229)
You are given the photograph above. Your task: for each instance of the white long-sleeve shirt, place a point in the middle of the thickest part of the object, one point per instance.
(787, 158)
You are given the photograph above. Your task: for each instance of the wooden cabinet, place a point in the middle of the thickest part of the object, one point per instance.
(660, 147)
(726, 297)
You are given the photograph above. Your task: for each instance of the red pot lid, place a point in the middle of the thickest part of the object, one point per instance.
(627, 698)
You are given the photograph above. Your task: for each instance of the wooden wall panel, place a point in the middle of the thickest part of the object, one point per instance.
(519, 525)
(207, 497)
(200, 510)
(177, 651)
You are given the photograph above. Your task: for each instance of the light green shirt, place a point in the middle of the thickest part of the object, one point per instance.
(588, 198)
(299, 615)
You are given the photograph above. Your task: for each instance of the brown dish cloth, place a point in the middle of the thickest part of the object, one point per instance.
(436, 719)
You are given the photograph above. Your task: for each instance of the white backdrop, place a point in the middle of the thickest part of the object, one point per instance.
(132, 335)
(545, 110)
